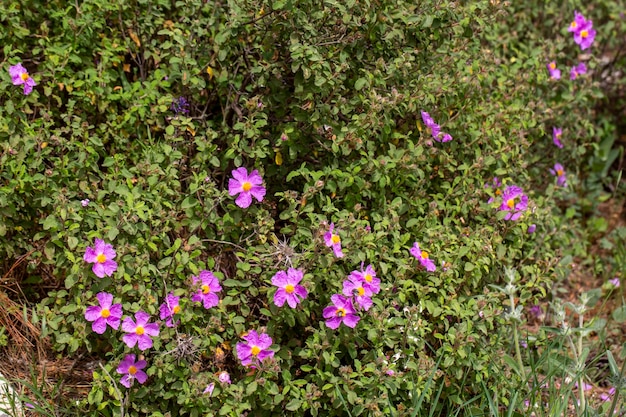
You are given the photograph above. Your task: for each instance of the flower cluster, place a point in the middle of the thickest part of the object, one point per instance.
(583, 31)
(434, 129)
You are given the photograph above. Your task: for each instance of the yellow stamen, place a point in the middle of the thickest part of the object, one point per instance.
(24, 76)
(559, 172)
(289, 288)
(424, 254)
(206, 289)
(335, 239)
(105, 313)
(101, 258)
(584, 34)
(132, 370)
(573, 25)
(510, 203)
(360, 291)
(176, 309)
(255, 350)
(340, 312)
(139, 330)
(247, 186)
(368, 278)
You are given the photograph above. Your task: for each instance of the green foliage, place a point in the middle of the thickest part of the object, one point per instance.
(324, 99)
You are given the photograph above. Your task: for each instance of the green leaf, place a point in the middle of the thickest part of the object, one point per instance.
(294, 404)
(360, 83)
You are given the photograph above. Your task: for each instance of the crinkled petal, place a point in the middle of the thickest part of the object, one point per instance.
(142, 318)
(128, 325)
(141, 376)
(280, 297)
(99, 326)
(151, 329)
(351, 320)
(90, 255)
(240, 174)
(93, 313)
(244, 200)
(105, 299)
(114, 322)
(129, 338)
(234, 187)
(127, 381)
(280, 279)
(334, 322)
(144, 342)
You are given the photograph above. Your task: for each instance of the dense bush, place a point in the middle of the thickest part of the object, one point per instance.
(142, 111)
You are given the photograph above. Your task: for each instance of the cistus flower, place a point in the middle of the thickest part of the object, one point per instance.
(531, 229)
(578, 22)
(224, 377)
(101, 256)
(105, 314)
(353, 287)
(209, 286)
(577, 70)
(255, 349)
(495, 185)
(422, 256)
(19, 76)
(333, 240)
(169, 308)
(585, 35)
(247, 186)
(180, 105)
(615, 282)
(556, 136)
(132, 370)
(209, 389)
(139, 332)
(84, 202)
(342, 311)
(368, 277)
(555, 73)
(514, 201)
(288, 288)
(559, 172)
(434, 129)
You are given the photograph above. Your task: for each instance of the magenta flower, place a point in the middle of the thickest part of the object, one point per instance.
(422, 256)
(169, 308)
(224, 377)
(256, 348)
(578, 22)
(495, 184)
(608, 396)
(585, 35)
(559, 172)
(209, 389)
(577, 70)
(209, 286)
(434, 129)
(341, 311)
(139, 333)
(288, 287)
(531, 229)
(615, 282)
(555, 73)
(334, 241)
(247, 186)
(556, 136)
(131, 370)
(368, 278)
(101, 255)
(105, 313)
(353, 287)
(514, 201)
(19, 76)
(84, 202)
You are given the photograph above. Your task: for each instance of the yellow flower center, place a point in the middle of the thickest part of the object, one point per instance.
(573, 25)
(559, 172)
(340, 312)
(101, 258)
(510, 203)
(584, 34)
(247, 186)
(360, 291)
(176, 309)
(335, 239)
(424, 254)
(558, 135)
(206, 289)
(24, 76)
(289, 288)
(552, 65)
(255, 350)
(139, 330)
(105, 313)
(132, 369)
(368, 277)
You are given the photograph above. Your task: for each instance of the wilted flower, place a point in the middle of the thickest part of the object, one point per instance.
(105, 313)
(247, 186)
(334, 241)
(514, 201)
(288, 287)
(209, 389)
(169, 308)
(132, 370)
(224, 377)
(255, 349)
(341, 311)
(577, 70)
(209, 286)
(556, 136)
(555, 73)
(101, 255)
(423, 257)
(434, 129)
(19, 76)
(559, 172)
(139, 333)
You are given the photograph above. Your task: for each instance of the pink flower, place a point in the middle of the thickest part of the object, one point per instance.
(585, 35)
(422, 256)
(514, 201)
(105, 313)
(556, 136)
(208, 289)
(101, 255)
(353, 287)
(608, 396)
(334, 241)
(341, 311)
(139, 333)
(84, 202)
(615, 282)
(555, 73)
(559, 172)
(531, 229)
(256, 348)
(169, 308)
(247, 186)
(578, 22)
(434, 129)
(224, 377)
(288, 287)
(19, 76)
(577, 70)
(131, 370)
(209, 389)
(368, 277)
